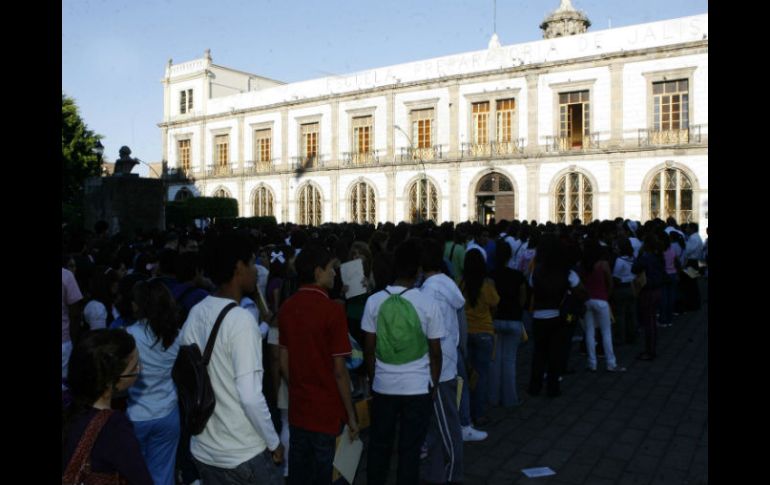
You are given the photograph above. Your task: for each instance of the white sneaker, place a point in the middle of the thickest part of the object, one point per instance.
(472, 434)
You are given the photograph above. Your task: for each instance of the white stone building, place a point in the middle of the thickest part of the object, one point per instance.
(592, 125)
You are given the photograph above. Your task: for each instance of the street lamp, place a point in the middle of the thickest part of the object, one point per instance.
(98, 150)
(424, 187)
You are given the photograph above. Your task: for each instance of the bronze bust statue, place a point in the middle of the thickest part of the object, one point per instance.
(125, 163)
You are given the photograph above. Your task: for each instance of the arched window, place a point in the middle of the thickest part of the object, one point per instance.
(263, 202)
(362, 204)
(183, 194)
(494, 198)
(309, 207)
(423, 201)
(222, 193)
(574, 198)
(671, 195)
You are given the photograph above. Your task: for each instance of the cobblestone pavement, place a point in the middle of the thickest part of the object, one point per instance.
(646, 426)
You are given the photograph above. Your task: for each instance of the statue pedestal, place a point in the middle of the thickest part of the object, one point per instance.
(126, 202)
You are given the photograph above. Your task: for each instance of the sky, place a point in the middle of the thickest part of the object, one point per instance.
(114, 52)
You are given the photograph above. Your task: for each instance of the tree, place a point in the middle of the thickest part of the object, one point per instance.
(78, 159)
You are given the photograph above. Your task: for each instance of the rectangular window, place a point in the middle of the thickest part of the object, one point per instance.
(185, 101)
(505, 110)
(362, 134)
(480, 123)
(183, 154)
(262, 145)
(221, 144)
(422, 128)
(574, 119)
(671, 105)
(309, 137)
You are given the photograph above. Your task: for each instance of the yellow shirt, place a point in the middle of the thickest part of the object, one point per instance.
(480, 316)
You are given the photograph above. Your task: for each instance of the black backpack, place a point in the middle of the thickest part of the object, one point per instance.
(193, 386)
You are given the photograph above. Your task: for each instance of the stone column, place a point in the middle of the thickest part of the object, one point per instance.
(617, 188)
(454, 111)
(389, 121)
(532, 110)
(616, 103)
(335, 134)
(391, 176)
(454, 192)
(285, 137)
(164, 143)
(285, 195)
(533, 191)
(241, 133)
(334, 198)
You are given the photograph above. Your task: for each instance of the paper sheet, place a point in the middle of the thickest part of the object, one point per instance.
(352, 274)
(348, 455)
(542, 471)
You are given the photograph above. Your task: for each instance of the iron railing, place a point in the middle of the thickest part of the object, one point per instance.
(682, 136)
(409, 154)
(361, 159)
(493, 148)
(569, 143)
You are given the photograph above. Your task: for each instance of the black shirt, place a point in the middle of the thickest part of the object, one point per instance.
(508, 283)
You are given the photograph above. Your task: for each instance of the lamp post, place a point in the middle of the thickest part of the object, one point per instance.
(98, 150)
(424, 175)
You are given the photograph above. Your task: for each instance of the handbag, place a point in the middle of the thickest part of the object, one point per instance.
(78, 471)
(572, 308)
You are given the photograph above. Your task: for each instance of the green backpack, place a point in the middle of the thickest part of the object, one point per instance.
(400, 338)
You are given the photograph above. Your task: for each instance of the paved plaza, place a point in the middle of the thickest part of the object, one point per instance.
(646, 426)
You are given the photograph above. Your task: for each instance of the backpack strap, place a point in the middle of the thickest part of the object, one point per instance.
(81, 458)
(215, 331)
(452, 251)
(399, 294)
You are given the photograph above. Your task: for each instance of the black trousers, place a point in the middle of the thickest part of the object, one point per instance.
(550, 341)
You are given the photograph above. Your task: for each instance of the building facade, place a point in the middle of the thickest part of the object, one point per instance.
(592, 125)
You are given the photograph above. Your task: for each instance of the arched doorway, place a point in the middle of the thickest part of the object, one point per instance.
(494, 198)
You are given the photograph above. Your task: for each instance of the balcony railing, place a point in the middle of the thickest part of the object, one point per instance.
(260, 166)
(361, 159)
(309, 162)
(493, 148)
(219, 170)
(409, 154)
(568, 143)
(178, 175)
(684, 136)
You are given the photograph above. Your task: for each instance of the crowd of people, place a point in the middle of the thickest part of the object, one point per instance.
(443, 315)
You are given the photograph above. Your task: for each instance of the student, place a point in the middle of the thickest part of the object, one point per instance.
(401, 390)
(444, 440)
(239, 444)
(103, 361)
(313, 335)
(152, 404)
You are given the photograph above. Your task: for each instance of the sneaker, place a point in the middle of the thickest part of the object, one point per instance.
(472, 434)
(617, 369)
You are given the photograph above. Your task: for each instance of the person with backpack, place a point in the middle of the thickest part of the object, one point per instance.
(238, 444)
(402, 351)
(313, 338)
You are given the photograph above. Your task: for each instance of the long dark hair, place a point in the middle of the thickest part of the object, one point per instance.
(96, 364)
(592, 253)
(155, 303)
(473, 275)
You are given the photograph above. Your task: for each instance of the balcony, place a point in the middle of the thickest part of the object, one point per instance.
(309, 162)
(260, 166)
(178, 175)
(685, 136)
(361, 159)
(572, 144)
(409, 154)
(219, 170)
(493, 149)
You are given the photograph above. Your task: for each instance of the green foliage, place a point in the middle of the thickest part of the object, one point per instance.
(78, 159)
(184, 212)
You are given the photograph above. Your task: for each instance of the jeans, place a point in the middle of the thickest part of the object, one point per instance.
(465, 395)
(598, 314)
(480, 346)
(258, 470)
(668, 298)
(502, 375)
(66, 351)
(158, 440)
(311, 455)
(411, 414)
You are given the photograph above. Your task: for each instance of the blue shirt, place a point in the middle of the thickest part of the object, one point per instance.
(153, 396)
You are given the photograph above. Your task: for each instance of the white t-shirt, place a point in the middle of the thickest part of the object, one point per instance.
(441, 289)
(412, 378)
(515, 244)
(229, 437)
(283, 389)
